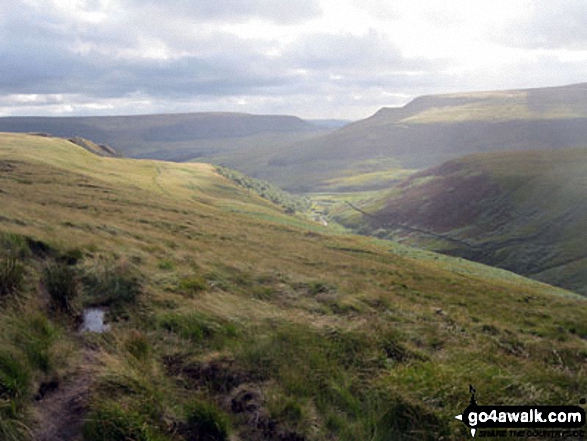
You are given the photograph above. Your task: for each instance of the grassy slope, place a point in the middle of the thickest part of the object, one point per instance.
(322, 335)
(523, 211)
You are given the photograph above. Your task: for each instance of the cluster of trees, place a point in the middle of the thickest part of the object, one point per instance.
(290, 203)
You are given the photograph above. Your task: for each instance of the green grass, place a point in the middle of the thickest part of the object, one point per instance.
(34, 351)
(62, 284)
(206, 421)
(358, 181)
(11, 275)
(254, 316)
(112, 423)
(501, 106)
(113, 284)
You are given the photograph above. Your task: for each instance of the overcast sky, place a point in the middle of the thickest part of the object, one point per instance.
(311, 58)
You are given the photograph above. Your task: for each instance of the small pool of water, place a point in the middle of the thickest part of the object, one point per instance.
(93, 321)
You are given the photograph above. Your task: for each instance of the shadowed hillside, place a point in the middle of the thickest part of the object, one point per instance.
(175, 137)
(523, 211)
(433, 129)
(229, 319)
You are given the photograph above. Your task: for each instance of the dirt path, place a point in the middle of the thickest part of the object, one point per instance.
(60, 413)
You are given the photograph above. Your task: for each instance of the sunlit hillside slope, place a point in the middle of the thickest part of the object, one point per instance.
(231, 320)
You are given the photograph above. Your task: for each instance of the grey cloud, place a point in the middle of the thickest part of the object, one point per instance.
(369, 60)
(43, 70)
(278, 11)
(194, 76)
(40, 53)
(47, 67)
(345, 51)
(36, 56)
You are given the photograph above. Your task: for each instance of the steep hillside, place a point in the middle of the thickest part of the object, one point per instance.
(433, 129)
(523, 211)
(175, 137)
(230, 319)
(98, 149)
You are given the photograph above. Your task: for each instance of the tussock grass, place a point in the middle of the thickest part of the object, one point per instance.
(198, 328)
(110, 283)
(33, 351)
(15, 378)
(62, 284)
(14, 245)
(110, 422)
(129, 390)
(205, 421)
(11, 275)
(191, 285)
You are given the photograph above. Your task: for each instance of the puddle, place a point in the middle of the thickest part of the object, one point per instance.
(93, 321)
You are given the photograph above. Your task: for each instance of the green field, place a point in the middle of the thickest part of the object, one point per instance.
(231, 319)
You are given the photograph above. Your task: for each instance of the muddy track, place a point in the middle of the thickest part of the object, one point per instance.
(60, 414)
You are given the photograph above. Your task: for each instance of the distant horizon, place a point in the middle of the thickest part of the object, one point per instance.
(245, 112)
(316, 59)
(242, 112)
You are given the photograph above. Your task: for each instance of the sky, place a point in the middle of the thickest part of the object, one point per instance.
(311, 58)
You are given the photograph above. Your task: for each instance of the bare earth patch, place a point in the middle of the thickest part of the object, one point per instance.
(60, 413)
